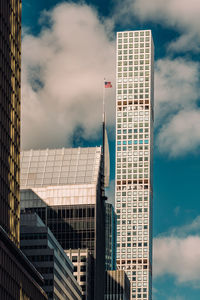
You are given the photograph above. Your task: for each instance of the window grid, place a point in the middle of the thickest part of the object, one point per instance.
(133, 193)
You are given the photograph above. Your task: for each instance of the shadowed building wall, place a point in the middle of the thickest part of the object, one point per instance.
(19, 280)
(110, 237)
(117, 286)
(43, 250)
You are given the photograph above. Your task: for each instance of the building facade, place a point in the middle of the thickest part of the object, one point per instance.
(110, 237)
(134, 158)
(117, 286)
(18, 278)
(10, 96)
(82, 261)
(65, 188)
(45, 253)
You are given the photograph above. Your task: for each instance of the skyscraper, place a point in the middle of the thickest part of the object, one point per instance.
(18, 278)
(134, 158)
(65, 187)
(43, 250)
(10, 92)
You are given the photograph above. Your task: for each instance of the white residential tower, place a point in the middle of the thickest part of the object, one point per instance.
(134, 158)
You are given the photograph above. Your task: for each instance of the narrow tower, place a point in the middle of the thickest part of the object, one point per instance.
(134, 159)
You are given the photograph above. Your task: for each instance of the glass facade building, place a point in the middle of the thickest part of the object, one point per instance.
(110, 237)
(75, 229)
(65, 188)
(45, 253)
(134, 158)
(10, 96)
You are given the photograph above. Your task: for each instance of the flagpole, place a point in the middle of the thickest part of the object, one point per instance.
(104, 100)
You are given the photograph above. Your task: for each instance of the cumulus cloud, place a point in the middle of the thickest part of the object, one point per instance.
(176, 86)
(181, 135)
(185, 42)
(176, 106)
(177, 253)
(62, 76)
(192, 228)
(181, 15)
(179, 257)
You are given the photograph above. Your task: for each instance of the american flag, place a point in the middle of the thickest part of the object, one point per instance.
(108, 84)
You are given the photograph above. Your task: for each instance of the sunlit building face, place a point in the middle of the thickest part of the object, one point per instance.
(10, 94)
(134, 158)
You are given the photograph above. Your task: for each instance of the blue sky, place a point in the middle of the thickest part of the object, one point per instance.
(67, 50)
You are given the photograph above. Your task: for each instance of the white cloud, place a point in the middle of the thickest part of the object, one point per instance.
(176, 106)
(181, 135)
(186, 42)
(177, 253)
(161, 294)
(192, 228)
(62, 76)
(181, 15)
(179, 257)
(176, 86)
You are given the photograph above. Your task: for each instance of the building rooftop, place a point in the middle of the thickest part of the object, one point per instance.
(55, 167)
